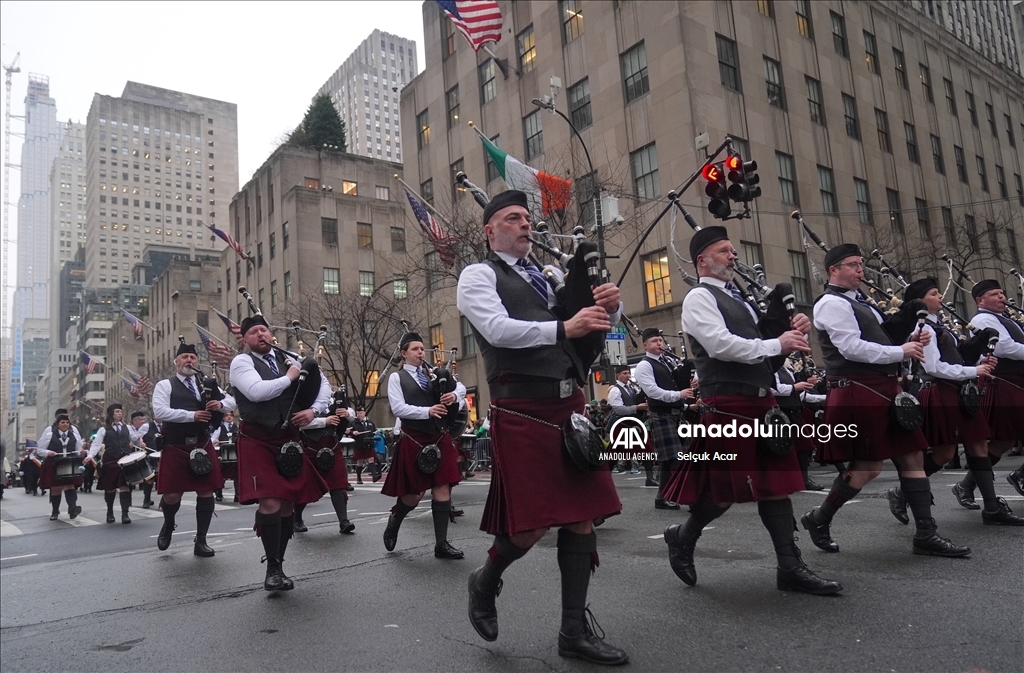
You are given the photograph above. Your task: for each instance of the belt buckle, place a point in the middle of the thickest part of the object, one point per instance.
(565, 388)
(191, 441)
(761, 392)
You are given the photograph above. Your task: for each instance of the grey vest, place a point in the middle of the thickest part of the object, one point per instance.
(417, 397)
(870, 330)
(738, 321)
(116, 445)
(182, 398)
(663, 379)
(272, 413)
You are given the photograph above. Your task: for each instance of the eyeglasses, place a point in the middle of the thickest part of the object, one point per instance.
(856, 266)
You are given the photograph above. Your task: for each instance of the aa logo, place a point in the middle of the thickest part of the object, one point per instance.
(628, 434)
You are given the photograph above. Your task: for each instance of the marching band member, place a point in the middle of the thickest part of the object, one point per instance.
(735, 364)
(863, 351)
(534, 374)
(117, 441)
(44, 439)
(185, 421)
(423, 424)
(59, 439)
(622, 398)
(264, 391)
(324, 433)
(146, 432)
(362, 430)
(791, 395)
(226, 432)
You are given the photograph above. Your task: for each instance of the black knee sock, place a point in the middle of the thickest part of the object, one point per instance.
(805, 462)
(287, 530)
(339, 498)
(268, 529)
(109, 496)
(126, 501)
(918, 492)
(702, 513)
(55, 503)
(500, 556)
(204, 514)
(575, 553)
(170, 510)
(359, 471)
(664, 474)
(981, 468)
(298, 512)
(400, 510)
(71, 495)
(841, 493)
(147, 491)
(777, 517)
(930, 466)
(970, 482)
(440, 510)
(649, 469)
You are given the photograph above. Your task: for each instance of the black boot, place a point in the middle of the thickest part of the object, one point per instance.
(147, 495)
(898, 504)
(485, 585)
(218, 495)
(398, 513)
(204, 514)
(791, 574)
(918, 493)
(339, 498)
(268, 528)
(163, 540)
(1000, 515)
(682, 540)
(126, 502)
(55, 504)
(287, 527)
(109, 497)
(359, 474)
(71, 495)
(376, 471)
(649, 471)
(299, 526)
(440, 510)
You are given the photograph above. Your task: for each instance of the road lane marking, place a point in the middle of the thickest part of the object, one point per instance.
(660, 536)
(11, 558)
(8, 529)
(80, 521)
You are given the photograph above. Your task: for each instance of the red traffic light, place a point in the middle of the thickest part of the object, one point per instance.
(734, 162)
(713, 173)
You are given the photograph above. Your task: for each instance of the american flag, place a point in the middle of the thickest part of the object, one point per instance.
(232, 326)
(90, 363)
(133, 389)
(444, 245)
(143, 383)
(135, 323)
(217, 351)
(230, 240)
(478, 20)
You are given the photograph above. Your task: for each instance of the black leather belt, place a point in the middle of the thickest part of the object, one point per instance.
(534, 390)
(186, 440)
(744, 389)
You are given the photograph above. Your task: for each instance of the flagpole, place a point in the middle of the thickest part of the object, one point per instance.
(94, 357)
(211, 335)
(500, 62)
(424, 202)
(141, 321)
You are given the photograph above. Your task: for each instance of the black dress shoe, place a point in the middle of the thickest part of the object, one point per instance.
(458, 512)
(929, 543)
(1003, 516)
(147, 504)
(652, 483)
(110, 518)
(445, 550)
(299, 526)
(802, 579)
(897, 505)
(350, 487)
(276, 579)
(590, 647)
(391, 532)
(202, 549)
(75, 511)
(53, 517)
(1017, 481)
(811, 485)
(964, 497)
(163, 540)
(819, 533)
(483, 614)
(599, 521)
(347, 527)
(680, 554)
(359, 480)
(125, 519)
(661, 503)
(470, 475)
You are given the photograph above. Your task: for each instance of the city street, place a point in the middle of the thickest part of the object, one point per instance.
(84, 595)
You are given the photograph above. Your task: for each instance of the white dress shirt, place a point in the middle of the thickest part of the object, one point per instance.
(248, 381)
(835, 316)
(704, 322)
(644, 375)
(933, 364)
(44, 439)
(162, 410)
(478, 300)
(1007, 347)
(397, 399)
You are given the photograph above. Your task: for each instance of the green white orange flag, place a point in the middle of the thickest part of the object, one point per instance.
(545, 193)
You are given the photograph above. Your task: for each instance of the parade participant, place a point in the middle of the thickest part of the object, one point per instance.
(324, 433)
(188, 461)
(89, 476)
(269, 429)
(736, 352)
(946, 424)
(362, 430)
(535, 374)
(44, 439)
(146, 432)
(29, 468)
(117, 441)
(666, 403)
(863, 350)
(423, 425)
(61, 440)
(791, 395)
(227, 433)
(623, 402)
(1004, 391)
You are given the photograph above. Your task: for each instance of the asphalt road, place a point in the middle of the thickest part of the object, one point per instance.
(97, 596)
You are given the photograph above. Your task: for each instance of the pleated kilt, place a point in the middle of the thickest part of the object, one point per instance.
(750, 476)
(664, 435)
(877, 438)
(257, 470)
(110, 476)
(48, 475)
(1003, 406)
(533, 484)
(944, 422)
(404, 478)
(337, 476)
(361, 452)
(175, 476)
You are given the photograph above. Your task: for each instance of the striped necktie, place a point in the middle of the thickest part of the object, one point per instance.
(421, 377)
(736, 294)
(536, 278)
(191, 387)
(272, 363)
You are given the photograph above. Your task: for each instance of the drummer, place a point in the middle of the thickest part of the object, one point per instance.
(61, 441)
(117, 441)
(185, 420)
(146, 433)
(323, 433)
(226, 433)
(362, 431)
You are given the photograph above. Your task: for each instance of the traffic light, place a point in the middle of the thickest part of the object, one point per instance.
(603, 375)
(744, 178)
(714, 174)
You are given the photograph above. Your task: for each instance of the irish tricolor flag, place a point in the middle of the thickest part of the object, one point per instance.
(546, 193)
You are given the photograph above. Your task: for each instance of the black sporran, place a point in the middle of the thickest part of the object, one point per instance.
(905, 412)
(970, 399)
(429, 459)
(324, 460)
(289, 459)
(199, 462)
(582, 443)
(780, 441)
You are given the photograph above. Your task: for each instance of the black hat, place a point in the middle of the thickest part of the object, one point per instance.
(114, 407)
(358, 409)
(984, 286)
(706, 237)
(408, 338)
(137, 414)
(621, 368)
(650, 332)
(511, 197)
(839, 253)
(919, 288)
(60, 411)
(251, 322)
(63, 417)
(186, 348)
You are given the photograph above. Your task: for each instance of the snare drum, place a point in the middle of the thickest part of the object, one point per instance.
(68, 467)
(154, 461)
(228, 453)
(136, 468)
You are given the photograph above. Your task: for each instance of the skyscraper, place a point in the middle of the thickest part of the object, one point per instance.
(67, 222)
(986, 26)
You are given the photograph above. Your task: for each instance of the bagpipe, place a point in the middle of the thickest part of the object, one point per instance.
(209, 390)
(1010, 312)
(441, 379)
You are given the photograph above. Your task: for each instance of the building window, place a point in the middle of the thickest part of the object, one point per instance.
(827, 186)
(259, 255)
(365, 283)
(773, 82)
(1011, 246)
(447, 36)
(579, 104)
(572, 19)
(273, 244)
(926, 83)
(437, 341)
(451, 99)
(645, 172)
(427, 191)
(961, 164)
(273, 293)
(397, 239)
(349, 188)
(432, 263)
(912, 152)
(287, 285)
(372, 377)
(534, 134)
(728, 63)
(657, 282)
(972, 108)
(801, 285)
(940, 165)
(364, 235)
(839, 35)
(422, 130)
(787, 178)
(871, 52)
(991, 114)
(491, 172)
(382, 193)
(814, 100)
(860, 188)
(803, 18)
(993, 237)
(468, 340)
(947, 85)
(1009, 131)
(882, 122)
(924, 225)
(634, 72)
(895, 211)
(332, 281)
(458, 166)
(526, 50)
(1001, 181)
(972, 230)
(850, 116)
(947, 225)
(901, 68)
(1020, 187)
(329, 230)
(766, 8)
(750, 253)
(488, 83)
(401, 288)
(284, 235)
(982, 173)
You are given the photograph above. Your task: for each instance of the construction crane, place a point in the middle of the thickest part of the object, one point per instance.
(6, 337)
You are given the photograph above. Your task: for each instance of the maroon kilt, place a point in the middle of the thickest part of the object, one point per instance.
(48, 475)
(533, 485)
(175, 477)
(944, 422)
(257, 470)
(110, 476)
(1003, 407)
(752, 476)
(877, 438)
(337, 477)
(360, 452)
(404, 478)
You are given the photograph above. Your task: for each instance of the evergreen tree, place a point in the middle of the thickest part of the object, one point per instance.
(321, 126)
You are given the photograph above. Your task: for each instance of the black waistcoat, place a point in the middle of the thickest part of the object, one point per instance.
(948, 352)
(57, 447)
(663, 379)
(738, 321)
(628, 399)
(270, 414)
(1006, 365)
(792, 400)
(365, 426)
(150, 437)
(417, 397)
(870, 330)
(182, 398)
(228, 432)
(116, 444)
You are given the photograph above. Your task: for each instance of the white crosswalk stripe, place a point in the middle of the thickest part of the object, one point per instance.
(79, 521)
(8, 529)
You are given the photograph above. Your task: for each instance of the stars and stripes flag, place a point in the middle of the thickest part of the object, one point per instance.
(478, 20)
(143, 383)
(233, 327)
(135, 323)
(230, 240)
(132, 389)
(444, 245)
(217, 351)
(89, 363)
